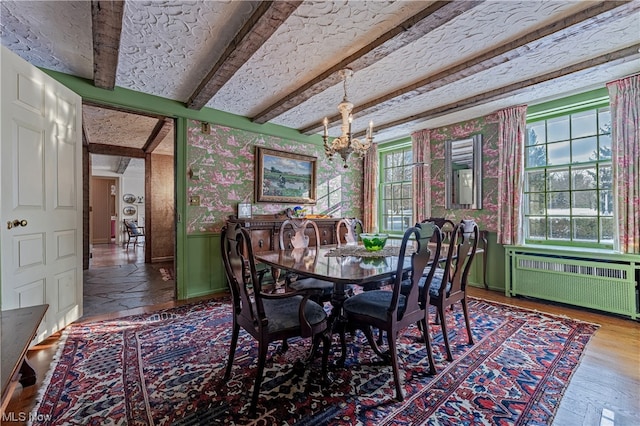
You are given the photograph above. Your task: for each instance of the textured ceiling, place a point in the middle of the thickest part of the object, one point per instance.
(167, 48)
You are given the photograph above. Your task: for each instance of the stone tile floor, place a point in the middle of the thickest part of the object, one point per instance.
(119, 280)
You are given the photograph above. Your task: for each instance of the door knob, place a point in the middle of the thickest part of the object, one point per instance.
(16, 223)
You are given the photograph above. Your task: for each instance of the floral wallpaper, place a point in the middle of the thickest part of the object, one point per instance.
(487, 217)
(222, 169)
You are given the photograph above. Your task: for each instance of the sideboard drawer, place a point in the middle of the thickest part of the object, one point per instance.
(261, 240)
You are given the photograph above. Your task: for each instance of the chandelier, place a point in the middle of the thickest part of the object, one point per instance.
(345, 145)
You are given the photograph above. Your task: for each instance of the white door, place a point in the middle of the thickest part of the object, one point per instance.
(40, 188)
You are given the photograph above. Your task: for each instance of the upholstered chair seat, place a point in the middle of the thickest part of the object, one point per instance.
(374, 304)
(283, 313)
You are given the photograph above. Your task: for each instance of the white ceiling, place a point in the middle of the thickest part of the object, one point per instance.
(167, 48)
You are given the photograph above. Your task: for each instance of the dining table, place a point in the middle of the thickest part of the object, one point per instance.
(345, 265)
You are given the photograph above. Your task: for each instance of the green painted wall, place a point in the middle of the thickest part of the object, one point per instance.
(198, 266)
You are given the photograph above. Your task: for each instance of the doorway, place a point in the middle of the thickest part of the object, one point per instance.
(135, 152)
(102, 210)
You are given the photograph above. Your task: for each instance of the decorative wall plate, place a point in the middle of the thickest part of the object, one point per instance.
(129, 211)
(129, 198)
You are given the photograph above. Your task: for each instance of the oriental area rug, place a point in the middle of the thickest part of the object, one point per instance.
(167, 368)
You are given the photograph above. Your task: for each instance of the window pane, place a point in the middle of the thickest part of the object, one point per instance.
(559, 153)
(584, 178)
(395, 159)
(606, 230)
(536, 156)
(535, 203)
(559, 228)
(605, 177)
(558, 202)
(605, 148)
(604, 121)
(535, 181)
(558, 180)
(388, 175)
(583, 150)
(408, 155)
(406, 191)
(583, 124)
(585, 229)
(585, 203)
(558, 129)
(537, 227)
(408, 171)
(535, 134)
(606, 203)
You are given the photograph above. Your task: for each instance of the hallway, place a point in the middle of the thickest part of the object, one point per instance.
(119, 280)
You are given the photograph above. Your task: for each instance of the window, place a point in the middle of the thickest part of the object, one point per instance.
(568, 186)
(396, 195)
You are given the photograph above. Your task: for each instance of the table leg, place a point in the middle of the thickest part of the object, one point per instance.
(338, 321)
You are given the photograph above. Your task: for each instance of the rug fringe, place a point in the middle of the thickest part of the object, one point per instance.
(47, 378)
(533, 310)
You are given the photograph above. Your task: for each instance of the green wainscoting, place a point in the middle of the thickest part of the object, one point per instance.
(203, 270)
(495, 266)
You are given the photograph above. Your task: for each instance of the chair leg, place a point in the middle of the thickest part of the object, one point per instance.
(285, 346)
(326, 346)
(466, 319)
(232, 349)
(262, 357)
(393, 352)
(445, 336)
(424, 327)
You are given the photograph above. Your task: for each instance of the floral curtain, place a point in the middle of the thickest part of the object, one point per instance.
(369, 207)
(421, 143)
(624, 97)
(511, 134)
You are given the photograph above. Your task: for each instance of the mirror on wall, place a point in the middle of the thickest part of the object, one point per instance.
(463, 173)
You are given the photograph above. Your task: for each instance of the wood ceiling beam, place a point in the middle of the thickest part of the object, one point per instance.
(407, 32)
(269, 15)
(106, 19)
(631, 53)
(123, 151)
(547, 35)
(123, 163)
(159, 132)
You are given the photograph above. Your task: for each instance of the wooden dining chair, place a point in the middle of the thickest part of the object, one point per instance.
(266, 317)
(350, 234)
(446, 226)
(449, 284)
(295, 232)
(391, 310)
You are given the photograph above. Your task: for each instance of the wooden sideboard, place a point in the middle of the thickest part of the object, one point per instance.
(265, 231)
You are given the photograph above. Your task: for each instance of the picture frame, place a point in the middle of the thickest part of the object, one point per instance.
(285, 177)
(129, 198)
(244, 210)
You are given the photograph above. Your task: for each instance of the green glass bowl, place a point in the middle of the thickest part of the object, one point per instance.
(374, 242)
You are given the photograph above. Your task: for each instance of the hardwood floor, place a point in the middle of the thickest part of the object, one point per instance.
(605, 385)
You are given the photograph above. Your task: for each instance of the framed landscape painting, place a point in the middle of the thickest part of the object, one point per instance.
(284, 177)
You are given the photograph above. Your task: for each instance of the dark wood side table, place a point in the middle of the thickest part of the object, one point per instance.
(19, 327)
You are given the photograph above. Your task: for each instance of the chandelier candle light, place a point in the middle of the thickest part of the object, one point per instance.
(345, 145)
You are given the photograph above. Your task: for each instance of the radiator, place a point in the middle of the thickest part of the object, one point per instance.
(607, 283)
